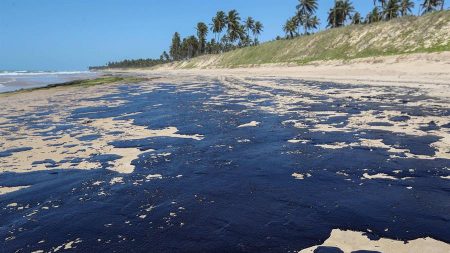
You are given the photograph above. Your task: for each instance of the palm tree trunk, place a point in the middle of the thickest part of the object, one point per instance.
(219, 42)
(334, 12)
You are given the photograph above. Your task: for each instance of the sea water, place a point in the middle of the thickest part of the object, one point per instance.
(17, 80)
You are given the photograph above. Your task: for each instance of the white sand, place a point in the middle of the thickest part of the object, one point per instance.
(5, 190)
(349, 241)
(116, 180)
(154, 176)
(378, 176)
(300, 176)
(250, 124)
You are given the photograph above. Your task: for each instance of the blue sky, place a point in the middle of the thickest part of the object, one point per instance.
(74, 34)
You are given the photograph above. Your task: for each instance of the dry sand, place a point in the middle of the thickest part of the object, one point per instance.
(350, 241)
(5, 190)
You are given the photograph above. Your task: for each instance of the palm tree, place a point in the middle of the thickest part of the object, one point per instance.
(225, 42)
(313, 23)
(431, 5)
(305, 9)
(301, 20)
(234, 26)
(332, 16)
(306, 6)
(374, 16)
(257, 29)
(218, 23)
(190, 47)
(406, 6)
(356, 19)
(175, 48)
(347, 8)
(244, 40)
(165, 57)
(382, 2)
(307, 21)
(339, 13)
(249, 25)
(391, 9)
(202, 32)
(290, 27)
(298, 22)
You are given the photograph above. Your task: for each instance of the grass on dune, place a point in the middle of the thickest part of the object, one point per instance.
(428, 33)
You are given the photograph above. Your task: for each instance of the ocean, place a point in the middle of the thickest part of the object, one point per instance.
(17, 80)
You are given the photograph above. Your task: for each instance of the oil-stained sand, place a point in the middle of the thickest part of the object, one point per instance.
(202, 163)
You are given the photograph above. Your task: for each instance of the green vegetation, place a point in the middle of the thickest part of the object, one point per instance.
(140, 63)
(96, 81)
(238, 35)
(361, 37)
(409, 34)
(83, 83)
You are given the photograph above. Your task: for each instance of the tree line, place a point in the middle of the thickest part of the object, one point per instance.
(230, 31)
(343, 12)
(139, 63)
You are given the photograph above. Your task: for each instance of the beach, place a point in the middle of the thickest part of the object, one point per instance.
(427, 71)
(351, 154)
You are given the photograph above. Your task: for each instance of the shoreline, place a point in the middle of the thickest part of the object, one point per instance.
(102, 79)
(14, 81)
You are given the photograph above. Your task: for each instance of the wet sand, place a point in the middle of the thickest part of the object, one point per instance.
(203, 155)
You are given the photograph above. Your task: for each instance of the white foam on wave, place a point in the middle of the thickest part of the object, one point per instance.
(35, 73)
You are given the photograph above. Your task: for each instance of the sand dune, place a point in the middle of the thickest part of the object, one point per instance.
(429, 72)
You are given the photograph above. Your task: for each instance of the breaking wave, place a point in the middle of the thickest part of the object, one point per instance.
(34, 73)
